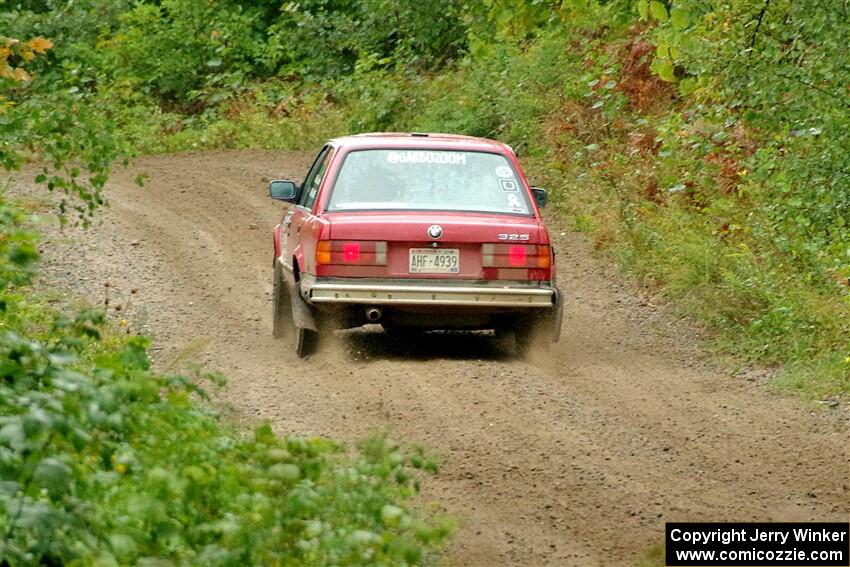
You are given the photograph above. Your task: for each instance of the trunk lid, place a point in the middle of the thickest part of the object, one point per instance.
(413, 227)
(407, 234)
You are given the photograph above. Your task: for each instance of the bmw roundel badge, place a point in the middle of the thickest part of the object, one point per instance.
(435, 231)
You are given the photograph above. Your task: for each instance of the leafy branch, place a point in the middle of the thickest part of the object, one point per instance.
(759, 20)
(843, 100)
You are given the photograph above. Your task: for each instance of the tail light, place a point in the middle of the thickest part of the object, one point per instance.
(517, 256)
(517, 261)
(351, 252)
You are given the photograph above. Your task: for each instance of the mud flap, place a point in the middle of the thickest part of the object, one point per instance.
(302, 313)
(557, 316)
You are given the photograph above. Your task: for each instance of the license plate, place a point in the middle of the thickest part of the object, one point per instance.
(434, 261)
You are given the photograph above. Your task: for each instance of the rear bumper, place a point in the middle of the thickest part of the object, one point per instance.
(401, 292)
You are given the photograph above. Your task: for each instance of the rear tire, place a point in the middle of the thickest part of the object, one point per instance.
(536, 334)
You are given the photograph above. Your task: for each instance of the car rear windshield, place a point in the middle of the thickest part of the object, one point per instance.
(428, 180)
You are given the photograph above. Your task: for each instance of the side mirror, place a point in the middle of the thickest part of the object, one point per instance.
(283, 190)
(541, 196)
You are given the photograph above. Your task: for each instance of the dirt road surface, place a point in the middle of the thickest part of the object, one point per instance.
(575, 458)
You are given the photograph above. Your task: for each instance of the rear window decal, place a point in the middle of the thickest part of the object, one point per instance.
(504, 171)
(449, 158)
(509, 185)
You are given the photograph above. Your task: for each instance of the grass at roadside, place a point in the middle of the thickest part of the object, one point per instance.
(671, 199)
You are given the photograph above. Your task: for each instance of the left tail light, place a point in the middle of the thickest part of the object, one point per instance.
(351, 252)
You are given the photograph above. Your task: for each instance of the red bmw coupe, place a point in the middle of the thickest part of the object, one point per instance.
(415, 232)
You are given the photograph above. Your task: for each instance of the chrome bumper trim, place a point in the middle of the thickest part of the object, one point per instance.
(417, 294)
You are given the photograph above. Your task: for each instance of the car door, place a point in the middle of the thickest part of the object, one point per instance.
(294, 240)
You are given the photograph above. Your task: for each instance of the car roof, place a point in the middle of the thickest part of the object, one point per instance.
(418, 140)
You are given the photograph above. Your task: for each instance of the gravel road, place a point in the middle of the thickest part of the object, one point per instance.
(577, 457)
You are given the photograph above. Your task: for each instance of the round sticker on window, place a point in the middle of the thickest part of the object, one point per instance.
(504, 171)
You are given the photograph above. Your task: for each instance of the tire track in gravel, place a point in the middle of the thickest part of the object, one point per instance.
(575, 458)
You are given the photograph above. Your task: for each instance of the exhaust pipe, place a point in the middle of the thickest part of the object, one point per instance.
(373, 314)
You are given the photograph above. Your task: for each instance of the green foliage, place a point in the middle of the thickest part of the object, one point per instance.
(103, 462)
(68, 132)
(17, 250)
(175, 49)
(183, 74)
(323, 39)
(506, 95)
(779, 68)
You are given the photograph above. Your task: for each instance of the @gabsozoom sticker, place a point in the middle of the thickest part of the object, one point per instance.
(509, 185)
(447, 158)
(504, 171)
(513, 202)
